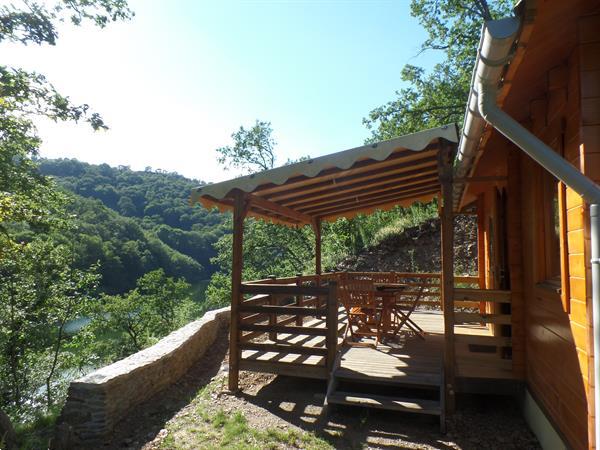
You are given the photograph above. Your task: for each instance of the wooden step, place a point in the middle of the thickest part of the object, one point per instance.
(397, 378)
(411, 405)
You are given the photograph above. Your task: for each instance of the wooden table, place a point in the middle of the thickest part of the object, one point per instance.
(389, 292)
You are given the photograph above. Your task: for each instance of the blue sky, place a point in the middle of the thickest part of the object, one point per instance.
(177, 80)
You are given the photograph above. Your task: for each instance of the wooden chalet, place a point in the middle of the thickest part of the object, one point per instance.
(524, 324)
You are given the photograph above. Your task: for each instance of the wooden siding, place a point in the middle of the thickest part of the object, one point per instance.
(557, 338)
(589, 161)
(552, 336)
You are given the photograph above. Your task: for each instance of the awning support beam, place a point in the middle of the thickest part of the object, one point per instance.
(276, 208)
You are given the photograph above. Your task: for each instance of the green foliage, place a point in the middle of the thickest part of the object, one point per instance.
(37, 433)
(407, 218)
(160, 230)
(269, 249)
(439, 97)
(137, 319)
(39, 295)
(122, 248)
(252, 150)
(41, 291)
(34, 22)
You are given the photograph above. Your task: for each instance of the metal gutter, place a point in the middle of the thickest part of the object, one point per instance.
(495, 47)
(497, 39)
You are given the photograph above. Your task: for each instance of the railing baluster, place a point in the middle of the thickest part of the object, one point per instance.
(331, 324)
(299, 300)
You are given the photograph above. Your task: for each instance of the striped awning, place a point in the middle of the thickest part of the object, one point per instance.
(382, 175)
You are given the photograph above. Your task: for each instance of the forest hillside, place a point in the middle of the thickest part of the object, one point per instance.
(417, 249)
(132, 222)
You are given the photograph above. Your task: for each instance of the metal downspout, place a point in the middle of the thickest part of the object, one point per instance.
(574, 179)
(595, 244)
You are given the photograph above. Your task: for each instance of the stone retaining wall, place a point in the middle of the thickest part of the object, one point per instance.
(96, 402)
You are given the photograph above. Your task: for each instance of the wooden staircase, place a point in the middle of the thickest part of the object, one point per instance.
(415, 392)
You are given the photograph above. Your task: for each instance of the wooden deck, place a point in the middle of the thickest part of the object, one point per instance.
(410, 360)
(419, 361)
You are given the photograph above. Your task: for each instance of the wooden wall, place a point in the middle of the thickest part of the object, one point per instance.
(588, 161)
(557, 336)
(552, 335)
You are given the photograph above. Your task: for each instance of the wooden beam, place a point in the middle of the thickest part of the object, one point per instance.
(447, 244)
(484, 179)
(239, 213)
(283, 310)
(316, 226)
(371, 206)
(343, 184)
(308, 331)
(481, 246)
(282, 289)
(466, 317)
(331, 321)
(565, 292)
(389, 194)
(290, 369)
(382, 185)
(284, 348)
(482, 295)
(284, 211)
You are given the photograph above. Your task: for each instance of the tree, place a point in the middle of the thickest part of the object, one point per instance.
(269, 249)
(39, 295)
(437, 98)
(155, 307)
(39, 290)
(252, 150)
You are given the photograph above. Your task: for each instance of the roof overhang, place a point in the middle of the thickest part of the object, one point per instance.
(382, 175)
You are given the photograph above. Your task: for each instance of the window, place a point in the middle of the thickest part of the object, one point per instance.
(551, 216)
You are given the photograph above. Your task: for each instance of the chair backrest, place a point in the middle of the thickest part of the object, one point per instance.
(356, 289)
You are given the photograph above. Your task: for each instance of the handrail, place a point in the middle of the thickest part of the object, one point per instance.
(283, 289)
(259, 316)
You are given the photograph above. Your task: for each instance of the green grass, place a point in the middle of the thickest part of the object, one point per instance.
(214, 428)
(37, 433)
(411, 217)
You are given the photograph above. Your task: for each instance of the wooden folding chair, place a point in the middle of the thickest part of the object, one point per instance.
(357, 295)
(402, 318)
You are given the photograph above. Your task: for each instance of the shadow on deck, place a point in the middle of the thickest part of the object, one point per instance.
(409, 359)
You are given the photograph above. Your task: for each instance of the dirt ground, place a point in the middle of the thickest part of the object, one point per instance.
(286, 403)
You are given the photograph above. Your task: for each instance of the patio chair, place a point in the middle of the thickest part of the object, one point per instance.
(357, 295)
(402, 317)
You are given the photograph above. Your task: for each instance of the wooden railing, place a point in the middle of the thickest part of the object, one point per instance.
(272, 320)
(472, 298)
(430, 282)
(488, 307)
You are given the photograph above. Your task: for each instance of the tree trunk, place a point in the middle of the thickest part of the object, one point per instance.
(54, 364)
(8, 437)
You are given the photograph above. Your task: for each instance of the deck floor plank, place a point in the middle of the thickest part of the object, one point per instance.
(411, 360)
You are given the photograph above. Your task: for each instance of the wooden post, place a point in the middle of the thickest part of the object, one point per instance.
(299, 300)
(447, 219)
(481, 246)
(316, 226)
(273, 301)
(239, 213)
(331, 323)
